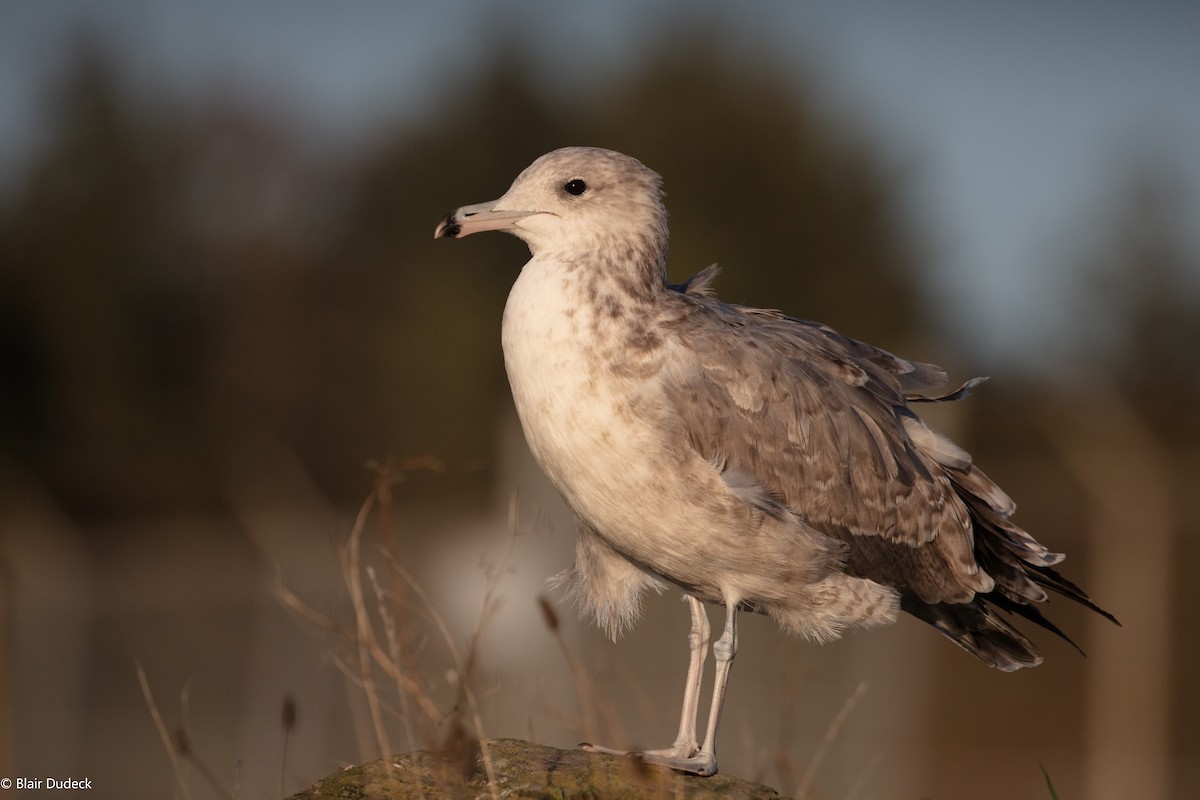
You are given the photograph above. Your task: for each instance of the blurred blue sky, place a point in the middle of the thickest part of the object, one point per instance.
(1016, 120)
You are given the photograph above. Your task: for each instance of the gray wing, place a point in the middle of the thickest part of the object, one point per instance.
(821, 423)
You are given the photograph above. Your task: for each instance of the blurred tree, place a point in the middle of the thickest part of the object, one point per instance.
(150, 279)
(800, 209)
(180, 289)
(98, 340)
(1101, 456)
(1140, 290)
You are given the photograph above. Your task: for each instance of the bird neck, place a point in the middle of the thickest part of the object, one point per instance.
(635, 268)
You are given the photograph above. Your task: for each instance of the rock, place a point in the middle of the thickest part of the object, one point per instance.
(525, 770)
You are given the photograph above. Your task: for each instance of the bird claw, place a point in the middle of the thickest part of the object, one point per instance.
(683, 758)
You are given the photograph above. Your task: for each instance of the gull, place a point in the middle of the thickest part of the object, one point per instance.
(752, 460)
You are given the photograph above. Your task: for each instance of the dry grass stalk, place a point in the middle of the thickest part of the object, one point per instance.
(183, 746)
(413, 689)
(827, 740)
(464, 667)
(579, 674)
(389, 651)
(289, 722)
(365, 639)
(163, 734)
(390, 654)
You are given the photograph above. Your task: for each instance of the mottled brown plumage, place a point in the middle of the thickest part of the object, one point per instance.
(753, 460)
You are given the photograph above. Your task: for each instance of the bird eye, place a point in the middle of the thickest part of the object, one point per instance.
(575, 186)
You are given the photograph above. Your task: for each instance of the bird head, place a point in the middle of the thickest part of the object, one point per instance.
(574, 201)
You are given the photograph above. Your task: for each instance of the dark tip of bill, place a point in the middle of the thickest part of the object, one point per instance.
(448, 228)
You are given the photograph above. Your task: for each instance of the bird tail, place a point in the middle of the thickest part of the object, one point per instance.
(976, 628)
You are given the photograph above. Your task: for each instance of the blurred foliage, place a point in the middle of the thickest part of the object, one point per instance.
(98, 302)
(1139, 316)
(799, 209)
(182, 287)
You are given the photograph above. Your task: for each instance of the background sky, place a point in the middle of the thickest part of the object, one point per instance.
(1011, 117)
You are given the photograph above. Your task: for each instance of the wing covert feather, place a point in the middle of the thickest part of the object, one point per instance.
(822, 422)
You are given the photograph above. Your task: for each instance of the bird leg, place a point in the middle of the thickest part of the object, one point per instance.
(685, 743)
(724, 649)
(683, 755)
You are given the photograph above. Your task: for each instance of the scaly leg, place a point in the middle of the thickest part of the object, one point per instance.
(724, 649)
(685, 743)
(683, 755)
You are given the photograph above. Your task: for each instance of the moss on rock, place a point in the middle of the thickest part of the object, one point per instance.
(525, 770)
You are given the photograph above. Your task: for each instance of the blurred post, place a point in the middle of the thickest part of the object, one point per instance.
(1124, 469)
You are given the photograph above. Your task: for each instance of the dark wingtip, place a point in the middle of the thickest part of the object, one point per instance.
(1052, 579)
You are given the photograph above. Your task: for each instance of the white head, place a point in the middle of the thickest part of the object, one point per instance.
(576, 201)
